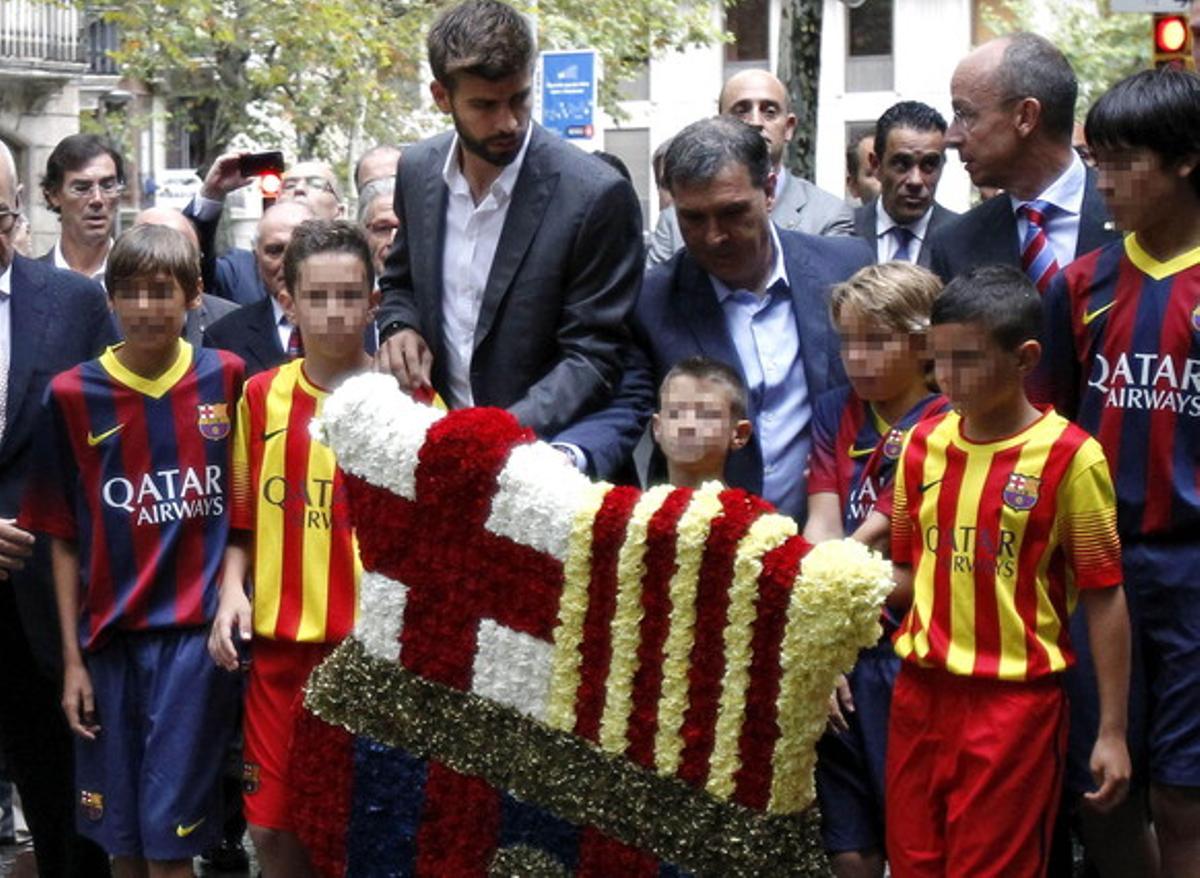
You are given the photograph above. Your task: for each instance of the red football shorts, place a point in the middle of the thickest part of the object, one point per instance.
(974, 773)
(278, 671)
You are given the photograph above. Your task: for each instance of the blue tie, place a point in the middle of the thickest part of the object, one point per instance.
(904, 238)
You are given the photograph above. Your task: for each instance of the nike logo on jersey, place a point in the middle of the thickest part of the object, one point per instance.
(1089, 316)
(184, 831)
(859, 452)
(94, 440)
(925, 487)
(268, 434)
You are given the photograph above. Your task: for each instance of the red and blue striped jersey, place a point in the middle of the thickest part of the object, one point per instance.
(136, 473)
(1122, 358)
(855, 451)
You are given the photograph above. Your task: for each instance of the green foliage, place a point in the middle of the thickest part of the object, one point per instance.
(323, 71)
(1102, 46)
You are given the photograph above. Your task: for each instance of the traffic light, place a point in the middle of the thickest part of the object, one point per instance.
(1173, 42)
(269, 187)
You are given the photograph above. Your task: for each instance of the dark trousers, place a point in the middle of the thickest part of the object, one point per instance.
(39, 754)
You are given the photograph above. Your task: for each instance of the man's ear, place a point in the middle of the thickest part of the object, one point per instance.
(789, 130)
(288, 304)
(656, 428)
(873, 163)
(741, 435)
(1028, 354)
(441, 96)
(1028, 114)
(769, 188)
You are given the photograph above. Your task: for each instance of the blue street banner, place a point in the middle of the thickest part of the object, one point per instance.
(569, 93)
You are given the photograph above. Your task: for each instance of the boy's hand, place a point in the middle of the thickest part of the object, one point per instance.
(78, 702)
(15, 546)
(841, 702)
(407, 356)
(1110, 769)
(233, 620)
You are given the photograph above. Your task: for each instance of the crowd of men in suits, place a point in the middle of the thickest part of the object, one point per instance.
(513, 274)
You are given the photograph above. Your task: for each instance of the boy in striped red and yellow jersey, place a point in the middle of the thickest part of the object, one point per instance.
(1123, 348)
(292, 534)
(1003, 517)
(132, 487)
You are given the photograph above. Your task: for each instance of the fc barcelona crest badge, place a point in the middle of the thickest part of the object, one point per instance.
(213, 420)
(249, 778)
(893, 443)
(92, 804)
(1021, 492)
(1196, 318)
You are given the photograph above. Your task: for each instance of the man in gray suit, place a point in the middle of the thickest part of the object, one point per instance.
(906, 158)
(518, 257)
(760, 99)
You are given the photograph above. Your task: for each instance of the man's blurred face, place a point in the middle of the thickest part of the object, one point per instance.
(984, 126)
(909, 171)
(87, 201)
(9, 205)
(314, 184)
(759, 99)
(726, 226)
(491, 118)
(274, 232)
(380, 224)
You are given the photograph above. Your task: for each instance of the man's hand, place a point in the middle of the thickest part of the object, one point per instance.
(78, 703)
(1110, 769)
(223, 177)
(841, 702)
(406, 356)
(232, 620)
(15, 546)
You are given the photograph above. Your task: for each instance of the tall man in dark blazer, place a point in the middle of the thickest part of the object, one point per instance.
(519, 256)
(906, 158)
(743, 292)
(1014, 108)
(50, 320)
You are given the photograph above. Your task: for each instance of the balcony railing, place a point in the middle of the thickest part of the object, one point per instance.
(32, 31)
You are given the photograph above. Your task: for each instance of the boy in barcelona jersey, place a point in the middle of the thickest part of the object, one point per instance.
(1003, 518)
(132, 486)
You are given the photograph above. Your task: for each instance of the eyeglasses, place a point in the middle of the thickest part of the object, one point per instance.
(313, 182)
(107, 188)
(8, 219)
(966, 118)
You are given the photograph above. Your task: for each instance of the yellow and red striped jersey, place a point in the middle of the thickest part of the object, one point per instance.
(1000, 536)
(288, 492)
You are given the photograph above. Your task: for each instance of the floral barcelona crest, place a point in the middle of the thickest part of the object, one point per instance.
(1021, 492)
(893, 444)
(552, 676)
(213, 420)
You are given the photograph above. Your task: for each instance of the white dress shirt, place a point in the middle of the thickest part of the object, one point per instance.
(472, 235)
(886, 244)
(60, 261)
(1062, 223)
(283, 326)
(5, 343)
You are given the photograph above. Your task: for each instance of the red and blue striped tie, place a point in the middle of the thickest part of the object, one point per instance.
(1037, 257)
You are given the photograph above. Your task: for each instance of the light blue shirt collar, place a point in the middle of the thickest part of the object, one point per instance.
(778, 271)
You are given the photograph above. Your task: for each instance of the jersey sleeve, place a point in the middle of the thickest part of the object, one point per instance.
(49, 503)
(822, 461)
(1055, 380)
(1088, 520)
(241, 512)
(902, 532)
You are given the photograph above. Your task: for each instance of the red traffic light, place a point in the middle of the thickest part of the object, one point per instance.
(270, 185)
(1170, 33)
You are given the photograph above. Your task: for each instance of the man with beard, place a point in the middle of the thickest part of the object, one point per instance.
(518, 256)
(84, 179)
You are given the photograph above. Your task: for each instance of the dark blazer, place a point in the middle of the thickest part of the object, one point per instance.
(209, 311)
(252, 333)
(563, 281)
(678, 315)
(987, 234)
(233, 275)
(864, 227)
(58, 320)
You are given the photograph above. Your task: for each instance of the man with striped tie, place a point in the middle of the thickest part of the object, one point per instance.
(1014, 108)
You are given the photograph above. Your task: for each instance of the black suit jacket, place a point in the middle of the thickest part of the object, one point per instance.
(58, 320)
(565, 276)
(864, 226)
(987, 234)
(233, 275)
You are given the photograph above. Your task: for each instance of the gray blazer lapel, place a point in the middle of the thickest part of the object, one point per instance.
(785, 212)
(530, 199)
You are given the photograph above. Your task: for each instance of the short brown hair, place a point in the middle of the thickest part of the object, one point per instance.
(707, 369)
(325, 236)
(897, 294)
(151, 251)
(484, 38)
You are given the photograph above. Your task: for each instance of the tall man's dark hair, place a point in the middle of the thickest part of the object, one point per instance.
(484, 38)
(71, 154)
(701, 150)
(906, 114)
